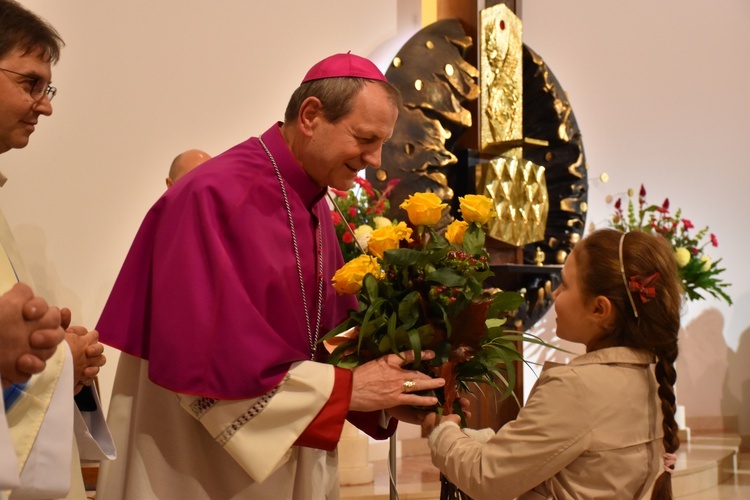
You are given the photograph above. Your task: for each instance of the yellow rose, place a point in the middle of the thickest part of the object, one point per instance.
(682, 255)
(403, 232)
(476, 208)
(454, 233)
(349, 278)
(424, 209)
(381, 221)
(387, 238)
(706, 263)
(362, 235)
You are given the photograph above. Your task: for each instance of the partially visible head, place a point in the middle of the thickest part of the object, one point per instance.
(28, 48)
(344, 110)
(335, 81)
(658, 318)
(184, 163)
(23, 31)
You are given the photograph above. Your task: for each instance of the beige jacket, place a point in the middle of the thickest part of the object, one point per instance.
(590, 429)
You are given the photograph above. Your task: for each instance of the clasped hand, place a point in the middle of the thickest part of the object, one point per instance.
(88, 353)
(29, 334)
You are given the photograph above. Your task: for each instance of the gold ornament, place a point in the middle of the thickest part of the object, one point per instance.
(518, 189)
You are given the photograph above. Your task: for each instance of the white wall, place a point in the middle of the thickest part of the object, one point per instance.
(140, 81)
(658, 89)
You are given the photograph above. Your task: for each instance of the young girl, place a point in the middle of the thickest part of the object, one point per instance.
(603, 425)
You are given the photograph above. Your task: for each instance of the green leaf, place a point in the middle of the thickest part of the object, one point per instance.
(447, 277)
(473, 239)
(437, 241)
(446, 322)
(402, 257)
(392, 334)
(408, 309)
(416, 345)
(370, 285)
(504, 302)
(339, 329)
(495, 322)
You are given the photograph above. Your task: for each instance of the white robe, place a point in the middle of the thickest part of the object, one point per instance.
(44, 429)
(8, 460)
(173, 446)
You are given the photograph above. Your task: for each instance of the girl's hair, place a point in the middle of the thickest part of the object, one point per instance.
(652, 322)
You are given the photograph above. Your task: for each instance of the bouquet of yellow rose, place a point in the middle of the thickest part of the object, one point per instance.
(418, 289)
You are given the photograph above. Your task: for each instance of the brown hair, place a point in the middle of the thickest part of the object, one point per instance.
(658, 321)
(336, 95)
(24, 30)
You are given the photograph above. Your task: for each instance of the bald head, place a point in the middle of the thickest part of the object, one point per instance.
(184, 163)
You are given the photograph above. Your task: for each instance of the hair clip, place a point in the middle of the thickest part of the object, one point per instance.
(624, 279)
(644, 287)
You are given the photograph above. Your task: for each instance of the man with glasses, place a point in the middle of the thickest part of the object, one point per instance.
(40, 373)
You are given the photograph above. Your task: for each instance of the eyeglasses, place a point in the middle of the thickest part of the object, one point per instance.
(34, 86)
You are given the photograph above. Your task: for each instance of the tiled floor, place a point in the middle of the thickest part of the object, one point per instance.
(418, 479)
(734, 489)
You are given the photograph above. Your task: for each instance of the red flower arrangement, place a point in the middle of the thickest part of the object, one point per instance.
(362, 209)
(696, 269)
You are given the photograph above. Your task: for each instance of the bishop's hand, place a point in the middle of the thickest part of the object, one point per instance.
(383, 383)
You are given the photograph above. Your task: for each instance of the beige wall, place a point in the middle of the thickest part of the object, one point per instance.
(658, 88)
(140, 81)
(659, 91)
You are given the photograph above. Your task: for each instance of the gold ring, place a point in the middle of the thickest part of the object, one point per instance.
(409, 385)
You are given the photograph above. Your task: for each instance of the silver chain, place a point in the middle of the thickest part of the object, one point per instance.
(312, 339)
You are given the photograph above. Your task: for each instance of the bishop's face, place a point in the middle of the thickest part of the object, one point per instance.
(336, 152)
(19, 111)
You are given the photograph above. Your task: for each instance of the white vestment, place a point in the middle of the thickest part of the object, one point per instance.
(45, 427)
(8, 460)
(173, 446)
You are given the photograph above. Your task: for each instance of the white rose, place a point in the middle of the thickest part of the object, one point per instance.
(362, 235)
(382, 222)
(682, 255)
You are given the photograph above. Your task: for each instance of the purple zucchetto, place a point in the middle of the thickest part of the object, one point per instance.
(344, 65)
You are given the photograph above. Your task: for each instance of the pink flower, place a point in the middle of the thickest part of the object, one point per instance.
(365, 184)
(642, 193)
(618, 205)
(352, 212)
(389, 187)
(687, 224)
(347, 237)
(664, 207)
(335, 217)
(714, 240)
(337, 192)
